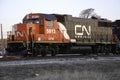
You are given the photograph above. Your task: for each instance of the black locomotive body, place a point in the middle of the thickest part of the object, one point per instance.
(89, 35)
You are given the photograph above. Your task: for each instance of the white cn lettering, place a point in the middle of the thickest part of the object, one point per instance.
(50, 31)
(21, 34)
(83, 29)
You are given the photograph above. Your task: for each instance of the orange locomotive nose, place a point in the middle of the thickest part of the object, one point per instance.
(42, 27)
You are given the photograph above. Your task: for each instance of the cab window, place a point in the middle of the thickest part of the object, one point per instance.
(50, 23)
(41, 22)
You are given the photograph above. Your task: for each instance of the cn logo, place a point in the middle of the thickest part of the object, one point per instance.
(79, 30)
(21, 34)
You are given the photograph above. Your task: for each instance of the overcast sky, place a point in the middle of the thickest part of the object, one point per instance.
(12, 11)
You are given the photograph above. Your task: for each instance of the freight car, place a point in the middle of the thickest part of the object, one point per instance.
(42, 34)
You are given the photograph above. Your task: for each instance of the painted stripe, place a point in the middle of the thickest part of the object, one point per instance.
(96, 42)
(15, 42)
(63, 30)
(50, 42)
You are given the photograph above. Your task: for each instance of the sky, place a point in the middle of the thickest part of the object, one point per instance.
(13, 11)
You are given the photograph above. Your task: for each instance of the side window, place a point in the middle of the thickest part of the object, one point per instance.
(50, 23)
(36, 21)
(30, 21)
(41, 22)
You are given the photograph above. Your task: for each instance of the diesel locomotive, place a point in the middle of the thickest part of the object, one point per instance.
(42, 34)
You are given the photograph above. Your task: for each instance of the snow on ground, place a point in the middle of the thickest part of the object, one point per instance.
(57, 61)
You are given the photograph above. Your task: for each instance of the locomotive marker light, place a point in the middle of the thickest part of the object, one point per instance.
(81, 30)
(39, 38)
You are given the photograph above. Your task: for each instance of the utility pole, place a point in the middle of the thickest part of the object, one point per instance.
(2, 41)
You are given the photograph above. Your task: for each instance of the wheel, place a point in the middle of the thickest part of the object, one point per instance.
(53, 53)
(43, 53)
(35, 51)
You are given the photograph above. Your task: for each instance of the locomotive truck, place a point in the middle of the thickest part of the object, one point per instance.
(42, 34)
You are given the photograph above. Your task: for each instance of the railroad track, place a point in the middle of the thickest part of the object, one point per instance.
(12, 58)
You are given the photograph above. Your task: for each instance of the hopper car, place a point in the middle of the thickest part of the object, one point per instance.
(42, 34)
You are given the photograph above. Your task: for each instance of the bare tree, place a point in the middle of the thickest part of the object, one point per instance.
(89, 13)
